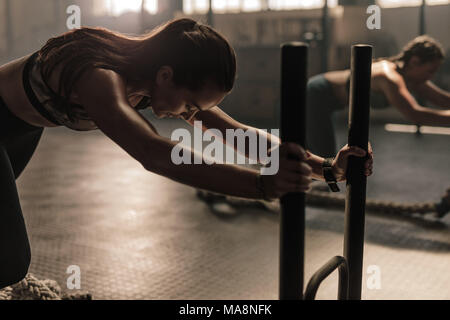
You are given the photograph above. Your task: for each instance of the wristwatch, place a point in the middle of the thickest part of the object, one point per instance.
(328, 174)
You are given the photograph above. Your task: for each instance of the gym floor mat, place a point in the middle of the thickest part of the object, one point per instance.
(136, 235)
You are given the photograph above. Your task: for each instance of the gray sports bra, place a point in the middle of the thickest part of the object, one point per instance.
(49, 104)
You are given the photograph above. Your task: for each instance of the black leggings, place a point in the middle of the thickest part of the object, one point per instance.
(18, 141)
(321, 104)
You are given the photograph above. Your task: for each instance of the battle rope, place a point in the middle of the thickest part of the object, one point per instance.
(331, 200)
(31, 288)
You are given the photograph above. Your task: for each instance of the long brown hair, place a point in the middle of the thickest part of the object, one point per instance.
(424, 47)
(196, 52)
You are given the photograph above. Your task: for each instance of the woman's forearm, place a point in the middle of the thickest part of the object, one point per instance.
(432, 117)
(316, 165)
(223, 178)
(313, 160)
(272, 142)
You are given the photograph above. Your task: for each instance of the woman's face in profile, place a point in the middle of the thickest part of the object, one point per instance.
(420, 72)
(169, 100)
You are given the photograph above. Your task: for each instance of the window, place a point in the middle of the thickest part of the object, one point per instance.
(408, 3)
(299, 4)
(221, 6)
(118, 7)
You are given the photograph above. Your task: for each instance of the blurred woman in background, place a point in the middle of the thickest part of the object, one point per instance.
(394, 80)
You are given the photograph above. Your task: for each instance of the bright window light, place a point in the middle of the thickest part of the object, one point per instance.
(195, 6)
(299, 4)
(409, 3)
(220, 6)
(151, 6)
(118, 7)
(438, 2)
(251, 5)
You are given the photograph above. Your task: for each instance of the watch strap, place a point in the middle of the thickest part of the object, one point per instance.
(328, 174)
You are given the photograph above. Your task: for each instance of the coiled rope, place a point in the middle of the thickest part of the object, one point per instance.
(332, 200)
(31, 288)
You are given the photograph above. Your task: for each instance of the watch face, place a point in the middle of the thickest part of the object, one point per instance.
(328, 174)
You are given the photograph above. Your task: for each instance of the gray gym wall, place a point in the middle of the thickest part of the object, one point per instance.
(26, 25)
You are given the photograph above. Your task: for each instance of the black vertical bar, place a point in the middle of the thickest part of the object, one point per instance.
(325, 43)
(210, 17)
(178, 6)
(142, 16)
(58, 12)
(9, 29)
(292, 220)
(422, 31)
(358, 135)
(422, 20)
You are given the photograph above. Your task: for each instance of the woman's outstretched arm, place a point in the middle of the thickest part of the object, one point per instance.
(217, 119)
(399, 96)
(434, 94)
(102, 93)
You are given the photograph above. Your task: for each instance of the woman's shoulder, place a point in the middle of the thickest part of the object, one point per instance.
(384, 67)
(385, 72)
(101, 78)
(100, 81)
